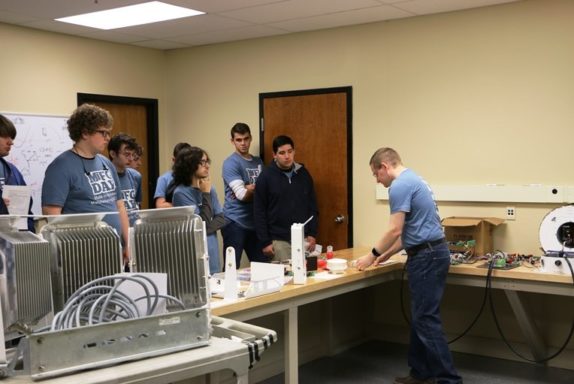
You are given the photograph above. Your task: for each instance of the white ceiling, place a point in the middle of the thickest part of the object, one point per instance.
(226, 20)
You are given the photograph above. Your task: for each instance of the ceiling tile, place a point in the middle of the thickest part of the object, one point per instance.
(358, 16)
(226, 20)
(296, 8)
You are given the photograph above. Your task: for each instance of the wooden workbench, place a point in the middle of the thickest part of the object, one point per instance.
(291, 297)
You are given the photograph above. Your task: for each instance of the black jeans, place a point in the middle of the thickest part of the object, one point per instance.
(241, 239)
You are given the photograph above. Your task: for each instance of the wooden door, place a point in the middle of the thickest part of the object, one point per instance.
(319, 122)
(136, 117)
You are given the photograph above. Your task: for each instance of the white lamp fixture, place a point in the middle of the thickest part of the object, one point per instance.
(131, 15)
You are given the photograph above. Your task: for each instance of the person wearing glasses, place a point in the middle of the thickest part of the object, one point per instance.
(193, 187)
(415, 226)
(137, 160)
(81, 180)
(121, 151)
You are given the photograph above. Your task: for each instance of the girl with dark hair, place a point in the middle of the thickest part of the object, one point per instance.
(193, 187)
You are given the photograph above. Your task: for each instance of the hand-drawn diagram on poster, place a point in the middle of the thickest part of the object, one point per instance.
(39, 140)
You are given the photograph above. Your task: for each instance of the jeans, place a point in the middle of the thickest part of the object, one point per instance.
(429, 356)
(241, 239)
(282, 250)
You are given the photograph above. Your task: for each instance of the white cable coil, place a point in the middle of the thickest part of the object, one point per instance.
(101, 301)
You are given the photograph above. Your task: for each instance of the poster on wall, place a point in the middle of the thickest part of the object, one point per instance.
(39, 140)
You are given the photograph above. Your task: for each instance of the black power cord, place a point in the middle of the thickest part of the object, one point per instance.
(499, 328)
(472, 323)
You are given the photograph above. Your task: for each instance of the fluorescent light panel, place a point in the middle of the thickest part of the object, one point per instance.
(131, 15)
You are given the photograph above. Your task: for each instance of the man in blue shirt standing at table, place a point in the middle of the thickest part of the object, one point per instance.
(415, 227)
(240, 172)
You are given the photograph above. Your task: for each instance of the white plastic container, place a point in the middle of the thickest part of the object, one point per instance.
(337, 265)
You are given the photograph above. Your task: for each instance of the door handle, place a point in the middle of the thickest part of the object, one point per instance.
(339, 219)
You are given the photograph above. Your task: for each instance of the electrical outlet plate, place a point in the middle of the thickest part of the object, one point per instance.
(510, 213)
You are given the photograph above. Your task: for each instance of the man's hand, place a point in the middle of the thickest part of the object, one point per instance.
(311, 242)
(125, 255)
(6, 201)
(205, 185)
(364, 262)
(268, 251)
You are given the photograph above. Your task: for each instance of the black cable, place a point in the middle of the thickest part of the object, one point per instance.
(472, 323)
(505, 340)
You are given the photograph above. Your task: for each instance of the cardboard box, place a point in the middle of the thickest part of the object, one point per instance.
(472, 228)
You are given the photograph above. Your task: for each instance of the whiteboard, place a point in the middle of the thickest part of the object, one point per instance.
(39, 140)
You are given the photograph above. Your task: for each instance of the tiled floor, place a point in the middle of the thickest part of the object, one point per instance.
(380, 362)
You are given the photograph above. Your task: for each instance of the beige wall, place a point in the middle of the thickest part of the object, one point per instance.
(42, 72)
(479, 96)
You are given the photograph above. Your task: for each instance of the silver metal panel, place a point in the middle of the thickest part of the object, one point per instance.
(171, 241)
(111, 343)
(25, 290)
(80, 252)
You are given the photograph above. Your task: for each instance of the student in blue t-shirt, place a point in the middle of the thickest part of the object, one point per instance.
(9, 174)
(81, 180)
(415, 227)
(121, 150)
(240, 172)
(163, 193)
(193, 187)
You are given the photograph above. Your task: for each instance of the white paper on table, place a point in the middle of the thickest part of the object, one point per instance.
(388, 261)
(265, 278)
(19, 196)
(325, 275)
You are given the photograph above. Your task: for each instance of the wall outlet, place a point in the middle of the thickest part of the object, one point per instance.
(510, 213)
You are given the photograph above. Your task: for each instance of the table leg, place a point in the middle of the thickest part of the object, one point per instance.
(291, 346)
(534, 340)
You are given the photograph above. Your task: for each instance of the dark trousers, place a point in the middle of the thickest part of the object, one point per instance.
(429, 355)
(241, 239)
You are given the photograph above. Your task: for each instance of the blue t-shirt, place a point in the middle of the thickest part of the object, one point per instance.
(10, 175)
(131, 186)
(410, 194)
(236, 168)
(83, 185)
(162, 183)
(185, 195)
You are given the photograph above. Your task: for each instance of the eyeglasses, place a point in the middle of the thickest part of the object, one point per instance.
(105, 134)
(129, 155)
(205, 162)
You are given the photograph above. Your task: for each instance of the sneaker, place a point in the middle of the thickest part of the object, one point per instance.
(411, 380)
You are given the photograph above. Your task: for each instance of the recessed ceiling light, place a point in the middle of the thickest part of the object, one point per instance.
(131, 15)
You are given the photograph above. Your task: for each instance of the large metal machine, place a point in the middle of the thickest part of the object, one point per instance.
(557, 239)
(76, 264)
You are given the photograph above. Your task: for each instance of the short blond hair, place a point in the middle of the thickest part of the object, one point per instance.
(385, 155)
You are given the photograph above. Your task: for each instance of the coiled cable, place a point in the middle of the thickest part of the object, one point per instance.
(505, 340)
(101, 301)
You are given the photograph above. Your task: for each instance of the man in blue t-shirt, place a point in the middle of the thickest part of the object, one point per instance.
(162, 197)
(81, 180)
(415, 227)
(9, 174)
(240, 172)
(121, 150)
